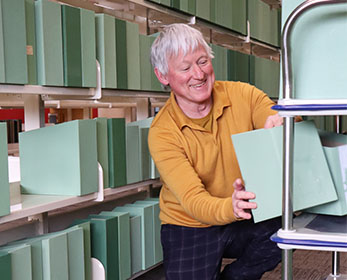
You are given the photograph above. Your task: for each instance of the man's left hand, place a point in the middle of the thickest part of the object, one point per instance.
(274, 120)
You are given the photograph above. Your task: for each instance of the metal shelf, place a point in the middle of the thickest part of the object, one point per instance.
(33, 205)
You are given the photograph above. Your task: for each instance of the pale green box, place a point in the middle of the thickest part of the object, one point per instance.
(2, 51)
(148, 169)
(133, 161)
(145, 64)
(238, 66)
(49, 43)
(88, 48)
(220, 62)
(36, 255)
(158, 250)
(21, 267)
(106, 49)
(145, 211)
(231, 14)
(60, 159)
(259, 154)
(318, 39)
(133, 55)
(85, 225)
(14, 41)
(4, 180)
(75, 247)
(55, 257)
(335, 150)
(264, 22)
(124, 249)
(136, 243)
(203, 9)
(265, 75)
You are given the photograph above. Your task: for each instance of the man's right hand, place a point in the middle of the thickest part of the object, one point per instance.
(242, 207)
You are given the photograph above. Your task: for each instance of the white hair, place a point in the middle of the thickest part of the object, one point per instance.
(171, 40)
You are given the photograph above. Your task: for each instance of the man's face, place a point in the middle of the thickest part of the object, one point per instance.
(191, 77)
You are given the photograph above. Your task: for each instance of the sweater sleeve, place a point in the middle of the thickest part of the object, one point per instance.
(180, 177)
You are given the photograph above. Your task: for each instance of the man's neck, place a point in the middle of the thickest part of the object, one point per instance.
(195, 110)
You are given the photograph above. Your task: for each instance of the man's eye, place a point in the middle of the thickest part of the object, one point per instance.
(203, 62)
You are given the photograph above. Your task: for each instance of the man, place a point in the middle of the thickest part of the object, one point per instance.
(205, 211)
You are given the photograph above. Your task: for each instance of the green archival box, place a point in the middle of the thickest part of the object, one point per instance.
(5, 266)
(133, 55)
(259, 154)
(36, 255)
(146, 213)
(158, 250)
(14, 41)
(335, 150)
(135, 244)
(105, 28)
(55, 257)
(72, 57)
(124, 249)
(104, 242)
(21, 267)
(188, 6)
(117, 152)
(265, 75)
(85, 225)
(2, 50)
(49, 43)
(101, 130)
(88, 48)
(264, 22)
(238, 66)
(60, 159)
(145, 64)
(148, 170)
(219, 62)
(121, 53)
(231, 14)
(31, 41)
(4, 180)
(134, 171)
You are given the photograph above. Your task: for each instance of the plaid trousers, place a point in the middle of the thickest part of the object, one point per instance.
(196, 253)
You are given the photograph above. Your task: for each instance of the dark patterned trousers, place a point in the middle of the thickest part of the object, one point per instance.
(197, 253)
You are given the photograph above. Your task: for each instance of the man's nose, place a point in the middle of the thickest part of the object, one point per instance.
(198, 73)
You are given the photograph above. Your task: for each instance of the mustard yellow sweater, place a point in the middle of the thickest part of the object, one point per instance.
(198, 167)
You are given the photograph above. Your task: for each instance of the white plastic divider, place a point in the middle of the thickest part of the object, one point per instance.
(98, 270)
(100, 193)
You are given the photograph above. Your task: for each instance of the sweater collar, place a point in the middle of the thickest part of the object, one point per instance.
(220, 101)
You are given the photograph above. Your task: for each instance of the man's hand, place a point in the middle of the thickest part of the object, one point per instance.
(240, 199)
(274, 120)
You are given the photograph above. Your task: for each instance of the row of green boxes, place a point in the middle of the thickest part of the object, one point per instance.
(235, 66)
(61, 255)
(63, 159)
(233, 14)
(48, 43)
(125, 240)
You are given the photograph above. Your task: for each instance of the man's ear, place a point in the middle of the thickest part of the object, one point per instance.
(162, 78)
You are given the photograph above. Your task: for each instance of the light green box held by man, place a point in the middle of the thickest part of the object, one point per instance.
(259, 153)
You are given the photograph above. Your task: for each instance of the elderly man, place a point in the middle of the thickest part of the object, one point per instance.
(204, 208)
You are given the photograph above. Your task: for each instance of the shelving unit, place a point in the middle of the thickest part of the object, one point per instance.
(296, 234)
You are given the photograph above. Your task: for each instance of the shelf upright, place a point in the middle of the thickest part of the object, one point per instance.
(288, 237)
